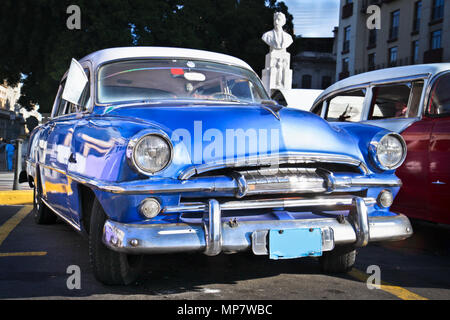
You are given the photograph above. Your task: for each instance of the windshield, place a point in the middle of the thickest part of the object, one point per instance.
(142, 80)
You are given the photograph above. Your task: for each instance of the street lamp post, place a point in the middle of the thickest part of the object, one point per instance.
(18, 166)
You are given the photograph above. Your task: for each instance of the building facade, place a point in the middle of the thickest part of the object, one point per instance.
(9, 96)
(11, 120)
(314, 66)
(410, 32)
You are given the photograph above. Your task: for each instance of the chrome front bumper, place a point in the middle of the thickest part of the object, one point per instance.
(215, 234)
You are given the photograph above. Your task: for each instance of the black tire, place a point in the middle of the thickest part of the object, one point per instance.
(339, 260)
(110, 267)
(41, 213)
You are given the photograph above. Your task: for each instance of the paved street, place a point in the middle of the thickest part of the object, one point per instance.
(34, 260)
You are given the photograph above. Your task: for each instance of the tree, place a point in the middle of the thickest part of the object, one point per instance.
(40, 46)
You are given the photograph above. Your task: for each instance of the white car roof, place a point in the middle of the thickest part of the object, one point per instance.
(386, 74)
(102, 56)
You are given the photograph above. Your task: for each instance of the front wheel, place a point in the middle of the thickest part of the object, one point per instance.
(340, 260)
(110, 267)
(41, 213)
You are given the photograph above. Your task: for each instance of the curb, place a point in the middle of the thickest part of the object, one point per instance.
(16, 197)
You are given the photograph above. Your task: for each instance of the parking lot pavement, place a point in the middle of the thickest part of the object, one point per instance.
(34, 260)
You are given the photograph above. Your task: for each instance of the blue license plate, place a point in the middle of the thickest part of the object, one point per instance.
(295, 243)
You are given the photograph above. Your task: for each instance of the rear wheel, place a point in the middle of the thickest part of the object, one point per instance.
(339, 260)
(110, 267)
(42, 214)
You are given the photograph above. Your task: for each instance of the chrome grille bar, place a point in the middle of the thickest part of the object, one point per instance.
(274, 161)
(269, 204)
(302, 180)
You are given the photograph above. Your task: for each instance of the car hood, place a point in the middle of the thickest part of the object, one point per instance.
(204, 125)
(397, 125)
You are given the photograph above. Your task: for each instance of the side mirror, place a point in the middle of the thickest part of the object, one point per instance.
(76, 82)
(23, 176)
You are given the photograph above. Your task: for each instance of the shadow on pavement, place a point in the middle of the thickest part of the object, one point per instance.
(418, 262)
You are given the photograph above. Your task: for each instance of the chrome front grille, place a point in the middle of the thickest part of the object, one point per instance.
(291, 158)
(280, 180)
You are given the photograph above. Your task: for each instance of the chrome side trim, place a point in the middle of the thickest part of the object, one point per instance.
(67, 220)
(273, 160)
(52, 168)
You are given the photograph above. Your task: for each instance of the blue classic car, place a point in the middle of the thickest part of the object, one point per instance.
(165, 150)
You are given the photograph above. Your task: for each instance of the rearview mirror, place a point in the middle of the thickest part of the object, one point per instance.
(194, 76)
(75, 83)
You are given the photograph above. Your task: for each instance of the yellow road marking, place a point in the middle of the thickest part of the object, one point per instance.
(23, 254)
(12, 222)
(399, 292)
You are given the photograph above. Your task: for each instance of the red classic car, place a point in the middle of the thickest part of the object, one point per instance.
(415, 102)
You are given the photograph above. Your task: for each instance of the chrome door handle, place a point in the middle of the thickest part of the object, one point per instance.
(72, 158)
(438, 182)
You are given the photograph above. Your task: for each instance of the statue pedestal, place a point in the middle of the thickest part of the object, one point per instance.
(277, 73)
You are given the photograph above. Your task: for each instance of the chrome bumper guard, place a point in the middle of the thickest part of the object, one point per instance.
(215, 235)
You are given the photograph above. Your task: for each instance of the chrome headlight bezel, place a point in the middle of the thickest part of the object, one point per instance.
(374, 149)
(135, 140)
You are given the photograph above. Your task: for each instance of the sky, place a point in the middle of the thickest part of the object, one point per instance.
(314, 18)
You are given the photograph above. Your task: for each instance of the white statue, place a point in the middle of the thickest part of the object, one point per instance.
(277, 74)
(277, 38)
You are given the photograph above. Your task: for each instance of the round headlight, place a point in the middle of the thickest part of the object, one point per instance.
(151, 153)
(390, 151)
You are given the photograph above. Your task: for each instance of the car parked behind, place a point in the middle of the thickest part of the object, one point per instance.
(415, 102)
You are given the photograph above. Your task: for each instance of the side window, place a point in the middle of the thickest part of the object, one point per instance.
(414, 99)
(440, 97)
(346, 106)
(70, 108)
(399, 100)
(240, 88)
(61, 103)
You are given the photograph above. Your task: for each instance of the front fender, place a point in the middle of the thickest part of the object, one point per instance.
(363, 135)
(99, 145)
